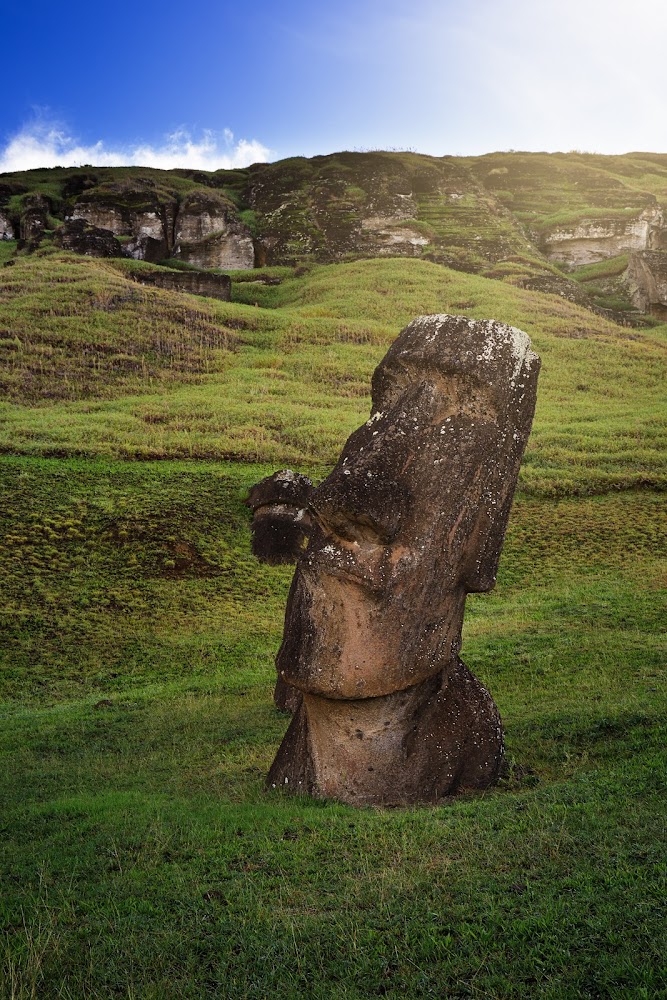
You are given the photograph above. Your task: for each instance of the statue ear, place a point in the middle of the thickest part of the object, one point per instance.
(281, 523)
(280, 534)
(483, 550)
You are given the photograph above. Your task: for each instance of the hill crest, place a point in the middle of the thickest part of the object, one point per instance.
(535, 220)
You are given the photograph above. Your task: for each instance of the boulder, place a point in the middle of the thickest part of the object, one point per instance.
(214, 286)
(148, 248)
(6, 228)
(34, 219)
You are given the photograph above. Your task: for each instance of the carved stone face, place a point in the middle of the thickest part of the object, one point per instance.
(413, 515)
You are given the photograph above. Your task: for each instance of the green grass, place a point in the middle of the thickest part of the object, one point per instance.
(140, 856)
(7, 250)
(604, 283)
(281, 374)
(546, 190)
(612, 267)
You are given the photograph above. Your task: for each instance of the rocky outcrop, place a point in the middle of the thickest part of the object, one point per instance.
(391, 239)
(493, 215)
(553, 284)
(592, 240)
(214, 286)
(386, 230)
(146, 247)
(6, 228)
(209, 234)
(134, 209)
(646, 280)
(34, 219)
(346, 205)
(204, 229)
(91, 241)
(146, 229)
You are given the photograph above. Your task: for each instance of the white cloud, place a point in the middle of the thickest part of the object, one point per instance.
(49, 145)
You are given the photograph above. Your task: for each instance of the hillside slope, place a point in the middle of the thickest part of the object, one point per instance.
(141, 854)
(91, 363)
(532, 219)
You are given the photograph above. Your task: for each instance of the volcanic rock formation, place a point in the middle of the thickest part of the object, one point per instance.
(646, 278)
(203, 229)
(6, 228)
(79, 236)
(213, 286)
(34, 219)
(209, 234)
(411, 519)
(593, 240)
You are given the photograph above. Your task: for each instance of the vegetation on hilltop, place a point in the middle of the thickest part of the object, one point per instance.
(487, 214)
(544, 189)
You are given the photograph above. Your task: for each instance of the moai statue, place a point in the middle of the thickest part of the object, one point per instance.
(411, 519)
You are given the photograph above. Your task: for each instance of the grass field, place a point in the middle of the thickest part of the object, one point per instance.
(141, 856)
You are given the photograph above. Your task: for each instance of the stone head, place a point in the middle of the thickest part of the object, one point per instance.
(412, 517)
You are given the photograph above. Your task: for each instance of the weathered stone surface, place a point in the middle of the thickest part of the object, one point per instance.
(555, 285)
(133, 207)
(231, 251)
(209, 234)
(215, 286)
(34, 219)
(103, 216)
(281, 522)
(378, 204)
(593, 240)
(148, 229)
(411, 519)
(204, 229)
(6, 228)
(148, 248)
(81, 237)
(396, 241)
(646, 278)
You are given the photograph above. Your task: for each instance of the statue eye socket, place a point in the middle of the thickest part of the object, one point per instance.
(452, 393)
(360, 528)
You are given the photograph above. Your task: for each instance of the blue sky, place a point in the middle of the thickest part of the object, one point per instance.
(209, 83)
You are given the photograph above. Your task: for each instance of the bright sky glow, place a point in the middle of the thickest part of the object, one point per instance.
(209, 84)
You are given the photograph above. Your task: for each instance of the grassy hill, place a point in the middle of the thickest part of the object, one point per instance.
(492, 215)
(141, 856)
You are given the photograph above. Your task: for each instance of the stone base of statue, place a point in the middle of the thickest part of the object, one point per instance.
(419, 745)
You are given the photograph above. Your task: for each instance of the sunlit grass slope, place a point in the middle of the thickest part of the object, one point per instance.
(95, 364)
(140, 856)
